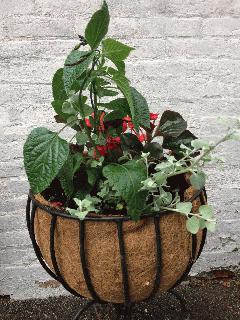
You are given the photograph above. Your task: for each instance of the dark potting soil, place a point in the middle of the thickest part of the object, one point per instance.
(210, 297)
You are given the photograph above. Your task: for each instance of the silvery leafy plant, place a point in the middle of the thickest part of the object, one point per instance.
(121, 159)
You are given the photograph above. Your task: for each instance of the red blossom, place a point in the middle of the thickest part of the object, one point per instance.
(153, 116)
(142, 137)
(124, 126)
(88, 123)
(102, 150)
(56, 203)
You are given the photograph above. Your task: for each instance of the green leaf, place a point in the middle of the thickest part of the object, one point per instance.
(114, 115)
(118, 104)
(174, 143)
(67, 107)
(58, 89)
(97, 27)
(120, 66)
(115, 50)
(102, 92)
(82, 138)
(140, 114)
(184, 207)
(172, 124)
(206, 211)
(137, 103)
(136, 207)
(93, 175)
(155, 150)
(126, 179)
(57, 106)
(67, 172)
(193, 225)
(199, 144)
(73, 70)
(124, 86)
(44, 155)
(164, 199)
(130, 142)
(211, 225)
(149, 184)
(198, 180)
(80, 214)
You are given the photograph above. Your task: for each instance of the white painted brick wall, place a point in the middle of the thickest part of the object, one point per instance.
(187, 58)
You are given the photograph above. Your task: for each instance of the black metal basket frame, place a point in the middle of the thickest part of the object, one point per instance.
(124, 309)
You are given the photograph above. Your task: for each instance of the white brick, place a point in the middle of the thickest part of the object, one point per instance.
(16, 7)
(203, 48)
(221, 27)
(199, 8)
(183, 27)
(23, 27)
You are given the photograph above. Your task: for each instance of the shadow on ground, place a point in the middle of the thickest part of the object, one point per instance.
(207, 298)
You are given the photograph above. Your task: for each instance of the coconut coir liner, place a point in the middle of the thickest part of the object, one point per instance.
(102, 252)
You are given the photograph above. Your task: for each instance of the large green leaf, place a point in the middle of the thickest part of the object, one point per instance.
(73, 69)
(140, 115)
(137, 103)
(126, 179)
(44, 155)
(193, 224)
(57, 106)
(172, 124)
(67, 172)
(97, 27)
(119, 104)
(155, 149)
(115, 115)
(58, 89)
(174, 143)
(115, 50)
(198, 180)
(130, 143)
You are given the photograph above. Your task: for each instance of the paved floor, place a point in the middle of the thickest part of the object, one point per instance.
(212, 297)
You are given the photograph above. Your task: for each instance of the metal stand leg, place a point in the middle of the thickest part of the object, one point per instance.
(123, 312)
(184, 312)
(83, 309)
(127, 315)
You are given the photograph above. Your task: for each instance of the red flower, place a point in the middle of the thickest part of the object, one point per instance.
(127, 118)
(127, 123)
(113, 143)
(88, 123)
(153, 116)
(56, 203)
(142, 137)
(102, 150)
(124, 126)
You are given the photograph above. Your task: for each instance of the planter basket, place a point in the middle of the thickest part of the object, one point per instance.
(112, 258)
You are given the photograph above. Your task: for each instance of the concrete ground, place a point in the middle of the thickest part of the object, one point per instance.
(213, 296)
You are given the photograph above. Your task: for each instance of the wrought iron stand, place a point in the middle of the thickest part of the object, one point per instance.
(124, 310)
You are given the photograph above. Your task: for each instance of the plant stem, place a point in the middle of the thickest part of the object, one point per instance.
(66, 125)
(88, 132)
(211, 148)
(191, 213)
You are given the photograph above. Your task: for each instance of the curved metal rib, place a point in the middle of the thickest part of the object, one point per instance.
(86, 273)
(83, 309)
(60, 278)
(123, 264)
(159, 256)
(30, 223)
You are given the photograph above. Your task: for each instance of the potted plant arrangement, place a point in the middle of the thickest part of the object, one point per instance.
(119, 210)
